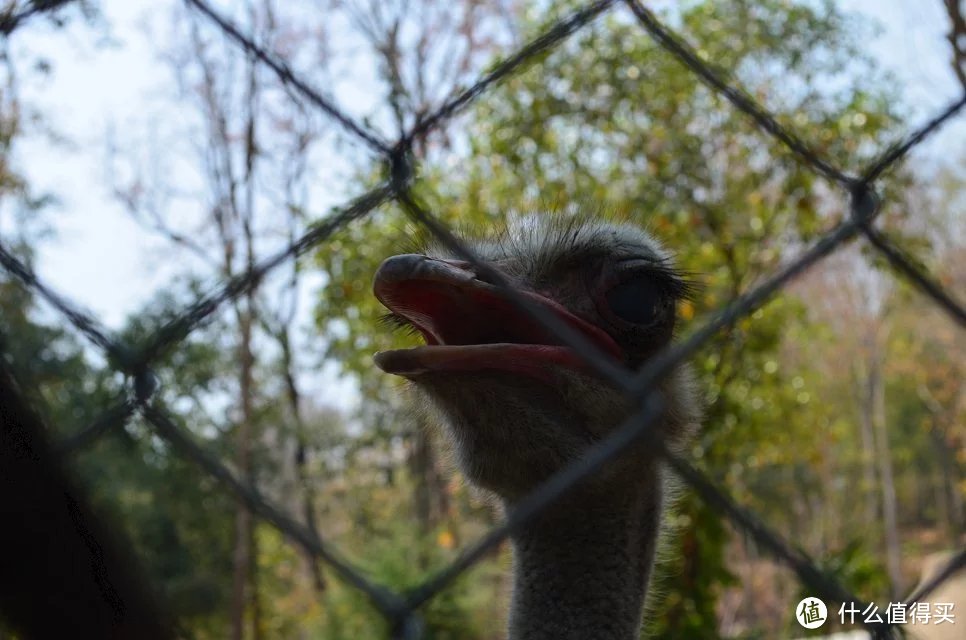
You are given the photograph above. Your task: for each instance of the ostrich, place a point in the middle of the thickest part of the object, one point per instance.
(519, 406)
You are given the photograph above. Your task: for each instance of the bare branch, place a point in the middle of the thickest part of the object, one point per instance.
(956, 9)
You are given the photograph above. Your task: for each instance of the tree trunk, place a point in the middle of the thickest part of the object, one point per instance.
(254, 602)
(942, 420)
(243, 557)
(432, 503)
(876, 408)
(868, 454)
(949, 481)
(306, 491)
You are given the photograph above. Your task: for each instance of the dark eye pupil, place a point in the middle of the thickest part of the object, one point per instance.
(637, 301)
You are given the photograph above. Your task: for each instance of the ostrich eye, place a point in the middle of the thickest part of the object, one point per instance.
(637, 301)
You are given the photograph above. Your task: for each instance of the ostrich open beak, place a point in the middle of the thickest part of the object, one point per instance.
(469, 324)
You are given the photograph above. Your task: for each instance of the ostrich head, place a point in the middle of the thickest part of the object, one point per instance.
(519, 405)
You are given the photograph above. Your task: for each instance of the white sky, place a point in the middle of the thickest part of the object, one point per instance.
(98, 254)
(108, 264)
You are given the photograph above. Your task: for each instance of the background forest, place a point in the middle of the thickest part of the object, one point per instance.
(837, 412)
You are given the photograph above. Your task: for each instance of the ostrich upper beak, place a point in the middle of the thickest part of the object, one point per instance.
(469, 325)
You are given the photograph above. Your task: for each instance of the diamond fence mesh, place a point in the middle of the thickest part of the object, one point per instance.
(401, 609)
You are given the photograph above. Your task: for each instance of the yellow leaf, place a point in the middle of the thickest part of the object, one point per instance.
(445, 539)
(687, 310)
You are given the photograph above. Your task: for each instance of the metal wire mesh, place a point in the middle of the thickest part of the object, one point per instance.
(401, 609)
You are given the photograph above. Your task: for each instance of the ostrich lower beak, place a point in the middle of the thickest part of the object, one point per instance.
(469, 324)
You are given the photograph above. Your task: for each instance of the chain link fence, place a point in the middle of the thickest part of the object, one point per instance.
(402, 609)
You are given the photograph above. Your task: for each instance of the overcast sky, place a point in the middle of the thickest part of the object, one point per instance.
(108, 264)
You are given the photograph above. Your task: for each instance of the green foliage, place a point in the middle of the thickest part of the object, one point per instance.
(688, 581)
(461, 611)
(856, 566)
(177, 519)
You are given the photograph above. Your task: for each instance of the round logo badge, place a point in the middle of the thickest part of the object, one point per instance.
(811, 613)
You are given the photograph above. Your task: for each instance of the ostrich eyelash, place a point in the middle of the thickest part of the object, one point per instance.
(396, 322)
(681, 284)
(685, 285)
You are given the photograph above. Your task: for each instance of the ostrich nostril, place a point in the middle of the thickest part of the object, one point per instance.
(487, 272)
(487, 275)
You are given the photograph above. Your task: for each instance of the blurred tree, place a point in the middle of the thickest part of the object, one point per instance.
(253, 143)
(252, 159)
(173, 516)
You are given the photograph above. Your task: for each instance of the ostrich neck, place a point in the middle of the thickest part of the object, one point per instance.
(581, 570)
